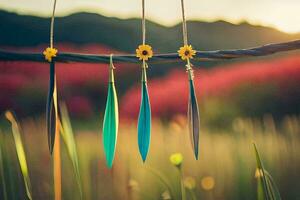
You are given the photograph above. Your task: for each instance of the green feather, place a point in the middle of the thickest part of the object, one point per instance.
(111, 121)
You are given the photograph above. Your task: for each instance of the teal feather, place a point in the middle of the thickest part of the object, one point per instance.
(144, 120)
(111, 121)
(193, 118)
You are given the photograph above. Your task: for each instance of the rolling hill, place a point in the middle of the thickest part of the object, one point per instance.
(83, 28)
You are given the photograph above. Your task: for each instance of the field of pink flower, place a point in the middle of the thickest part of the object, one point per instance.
(262, 84)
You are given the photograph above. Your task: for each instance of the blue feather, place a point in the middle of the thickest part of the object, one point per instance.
(144, 121)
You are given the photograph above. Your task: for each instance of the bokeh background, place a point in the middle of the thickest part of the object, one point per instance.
(240, 101)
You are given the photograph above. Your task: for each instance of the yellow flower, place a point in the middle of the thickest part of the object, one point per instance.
(186, 52)
(189, 182)
(176, 159)
(208, 183)
(166, 195)
(144, 52)
(133, 184)
(49, 53)
(258, 173)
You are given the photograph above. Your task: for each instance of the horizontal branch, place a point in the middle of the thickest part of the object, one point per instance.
(131, 58)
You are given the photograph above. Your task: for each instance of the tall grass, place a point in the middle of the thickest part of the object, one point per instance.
(225, 169)
(20, 152)
(266, 182)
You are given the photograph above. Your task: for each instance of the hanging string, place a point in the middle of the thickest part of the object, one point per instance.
(143, 22)
(184, 27)
(52, 25)
(143, 29)
(185, 40)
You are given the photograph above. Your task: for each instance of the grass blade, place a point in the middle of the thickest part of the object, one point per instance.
(270, 189)
(20, 152)
(111, 120)
(57, 164)
(259, 166)
(163, 180)
(260, 187)
(193, 119)
(272, 186)
(144, 121)
(2, 177)
(69, 140)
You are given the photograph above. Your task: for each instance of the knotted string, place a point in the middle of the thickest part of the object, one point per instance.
(185, 39)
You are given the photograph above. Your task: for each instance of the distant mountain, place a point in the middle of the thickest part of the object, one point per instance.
(125, 35)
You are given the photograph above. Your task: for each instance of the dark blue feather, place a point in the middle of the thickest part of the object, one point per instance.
(50, 110)
(193, 118)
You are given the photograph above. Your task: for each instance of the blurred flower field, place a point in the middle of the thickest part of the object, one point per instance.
(225, 169)
(239, 103)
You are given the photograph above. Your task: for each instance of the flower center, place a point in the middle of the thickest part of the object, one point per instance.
(145, 52)
(187, 52)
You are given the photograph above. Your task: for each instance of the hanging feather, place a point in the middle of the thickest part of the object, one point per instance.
(193, 114)
(50, 109)
(144, 121)
(111, 119)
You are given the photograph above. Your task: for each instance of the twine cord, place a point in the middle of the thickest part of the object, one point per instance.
(143, 22)
(143, 30)
(65, 57)
(184, 26)
(189, 68)
(52, 25)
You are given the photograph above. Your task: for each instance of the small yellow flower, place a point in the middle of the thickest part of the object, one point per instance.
(49, 53)
(186, 52)
(166, 195)
(208, 183)
(133, 184)
(258, 173)
(189, 183)
(144, 52)
(176, 159)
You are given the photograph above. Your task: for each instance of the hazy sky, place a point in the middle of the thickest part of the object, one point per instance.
(282, 14)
